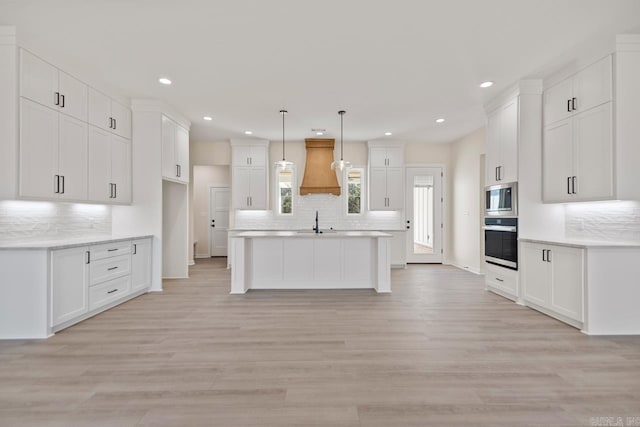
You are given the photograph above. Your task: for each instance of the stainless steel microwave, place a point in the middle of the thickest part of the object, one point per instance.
(501, 200)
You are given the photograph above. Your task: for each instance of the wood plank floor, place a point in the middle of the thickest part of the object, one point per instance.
(439, 351)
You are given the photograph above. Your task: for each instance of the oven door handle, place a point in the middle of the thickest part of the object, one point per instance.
(500, 228)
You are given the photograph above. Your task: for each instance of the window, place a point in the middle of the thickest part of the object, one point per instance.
(285, 191)
(354, 191)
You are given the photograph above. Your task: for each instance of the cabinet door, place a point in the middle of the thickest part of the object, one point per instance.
(258, 156)
(593, 86)
(567, 281)
(557, 102)
(99, 109)
(241, 155)
(395, 157)
(378, 157)
(122, 120)
(508, 171)
(72, 155)
(557, 162)
(73, 97)
(38, 150)
(169, 165)
(395, 189)
(140, 264)
(594, 153)
(241, 183)
(258, 188)
(492, 158)
(99, 165)
(69, 284)
(536, 275)
(182, 153)
(378, 189)
(121, 168)
(38, 80)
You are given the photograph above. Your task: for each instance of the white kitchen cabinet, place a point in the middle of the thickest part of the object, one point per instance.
(140, 264)
(553, 280)
(250, 174)
(43, 83)
(502, 281)
(69, 284)
(578, 157)
(53, 152)
(386, 176)
(109, 167)
(584, 90)
(502, 143)
(175, 151)
(121, 169)
(108, 114)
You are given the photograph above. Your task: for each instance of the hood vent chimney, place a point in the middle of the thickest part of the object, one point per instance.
(319, 178)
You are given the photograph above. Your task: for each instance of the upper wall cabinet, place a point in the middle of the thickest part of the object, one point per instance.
(108, 114)
(175, 151)
(590, 149)
(586, 89)
(45, 84)
(386, 176)
(502, 143)
(250, 174)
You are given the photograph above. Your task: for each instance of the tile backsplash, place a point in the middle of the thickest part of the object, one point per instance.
(27, 220)
(331, 213)
(603, 221)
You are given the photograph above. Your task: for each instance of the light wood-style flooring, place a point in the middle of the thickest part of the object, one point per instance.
(438, 351)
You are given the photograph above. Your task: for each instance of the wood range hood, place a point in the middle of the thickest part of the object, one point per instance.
(319, 178)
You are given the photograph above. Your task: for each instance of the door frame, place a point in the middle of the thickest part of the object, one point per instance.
(211, 187)
(445, 205)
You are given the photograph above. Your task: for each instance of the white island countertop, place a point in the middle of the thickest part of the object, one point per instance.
(323, 234)
(69, 242)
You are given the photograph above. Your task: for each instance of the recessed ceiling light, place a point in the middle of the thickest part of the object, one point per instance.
(207, 118)
(440, 120)
(248, 132)
(164, 81)
(388, 133)
(319, 133)
(486, 84)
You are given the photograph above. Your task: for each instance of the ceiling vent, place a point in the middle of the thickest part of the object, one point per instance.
(318, 176)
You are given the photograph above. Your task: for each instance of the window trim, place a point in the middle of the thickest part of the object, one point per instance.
(363, 191)
(276, 191)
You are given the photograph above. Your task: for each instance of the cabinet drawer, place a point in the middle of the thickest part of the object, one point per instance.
(107, 292)
(107, 250)
(109, 268)
(503, 279)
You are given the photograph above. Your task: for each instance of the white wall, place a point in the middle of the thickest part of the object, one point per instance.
(464, 208)
(205, 177)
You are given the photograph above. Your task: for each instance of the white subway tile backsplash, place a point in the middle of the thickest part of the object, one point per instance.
(331, 213)
(603, 221)
(26, 220)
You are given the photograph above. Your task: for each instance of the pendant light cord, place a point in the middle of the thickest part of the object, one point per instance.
(341, 112)
(283, 112)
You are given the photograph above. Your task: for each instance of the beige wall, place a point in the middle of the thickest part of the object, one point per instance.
(466, 183)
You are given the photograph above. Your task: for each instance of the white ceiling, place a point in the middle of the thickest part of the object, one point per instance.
(393, 65)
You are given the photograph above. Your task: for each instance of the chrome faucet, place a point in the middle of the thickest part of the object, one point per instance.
(316, 228)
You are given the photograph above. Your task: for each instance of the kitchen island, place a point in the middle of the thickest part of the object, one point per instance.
(307, 260)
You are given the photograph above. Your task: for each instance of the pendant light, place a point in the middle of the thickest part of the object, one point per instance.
(283, 164)
(342, 164)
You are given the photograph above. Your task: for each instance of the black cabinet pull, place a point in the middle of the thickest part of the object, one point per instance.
(111, 250)
(568, 185)
(110, 122)
(499, 279)
(62, 190)
(115, 191)
(112, 291)
(56, 98)
(115, 124)
(135, 249)
(62, 101)
(573, 184)
(56, 184)
(88, 257)
(573, 104)
(543, 251)
(111, 268)
(568, 105)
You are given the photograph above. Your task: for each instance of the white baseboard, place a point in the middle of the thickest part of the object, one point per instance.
(198, 256)
(466, 268)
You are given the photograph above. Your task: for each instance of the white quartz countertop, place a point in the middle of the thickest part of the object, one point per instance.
(324, 234)
(62, 243)
(584, 244)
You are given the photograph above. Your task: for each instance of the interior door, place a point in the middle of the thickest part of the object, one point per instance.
(219, 220)
(424, 214)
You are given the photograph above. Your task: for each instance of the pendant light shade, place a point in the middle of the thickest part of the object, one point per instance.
(342, 163)
(283, 164)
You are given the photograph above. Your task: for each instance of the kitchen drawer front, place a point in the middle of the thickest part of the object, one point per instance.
(502, 279)
(109, 268)
(104, 293)
(107, 250)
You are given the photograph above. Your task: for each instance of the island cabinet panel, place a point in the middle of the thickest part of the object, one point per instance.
(358, 255)
(327, 259)
(298, 265)
(267, 256)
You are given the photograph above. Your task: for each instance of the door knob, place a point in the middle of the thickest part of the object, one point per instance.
(408, 227)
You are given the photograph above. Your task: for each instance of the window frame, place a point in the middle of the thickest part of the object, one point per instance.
(276, 192)
(363, 191)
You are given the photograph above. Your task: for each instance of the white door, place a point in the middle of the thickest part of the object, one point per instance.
(377, 188)
(424, 214)
(99, 165)
(395, 189)
(72, 155)
(182, 153)
(169, 166)
(509, 142)
(536, 273)
(140, 264)
(257, 188)
(557, 162)
(566, 284)
(38, 80)
(241, 182)
(121, 169)
(121, 116)
(218, 220)
(492, 158)
(99, 106)
(557, 102)
(73, 97)
(592, 86)
(69, 284)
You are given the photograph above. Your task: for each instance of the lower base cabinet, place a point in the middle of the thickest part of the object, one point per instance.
(69, 284)
(140, 264)
(553, 280)
(502, 281)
